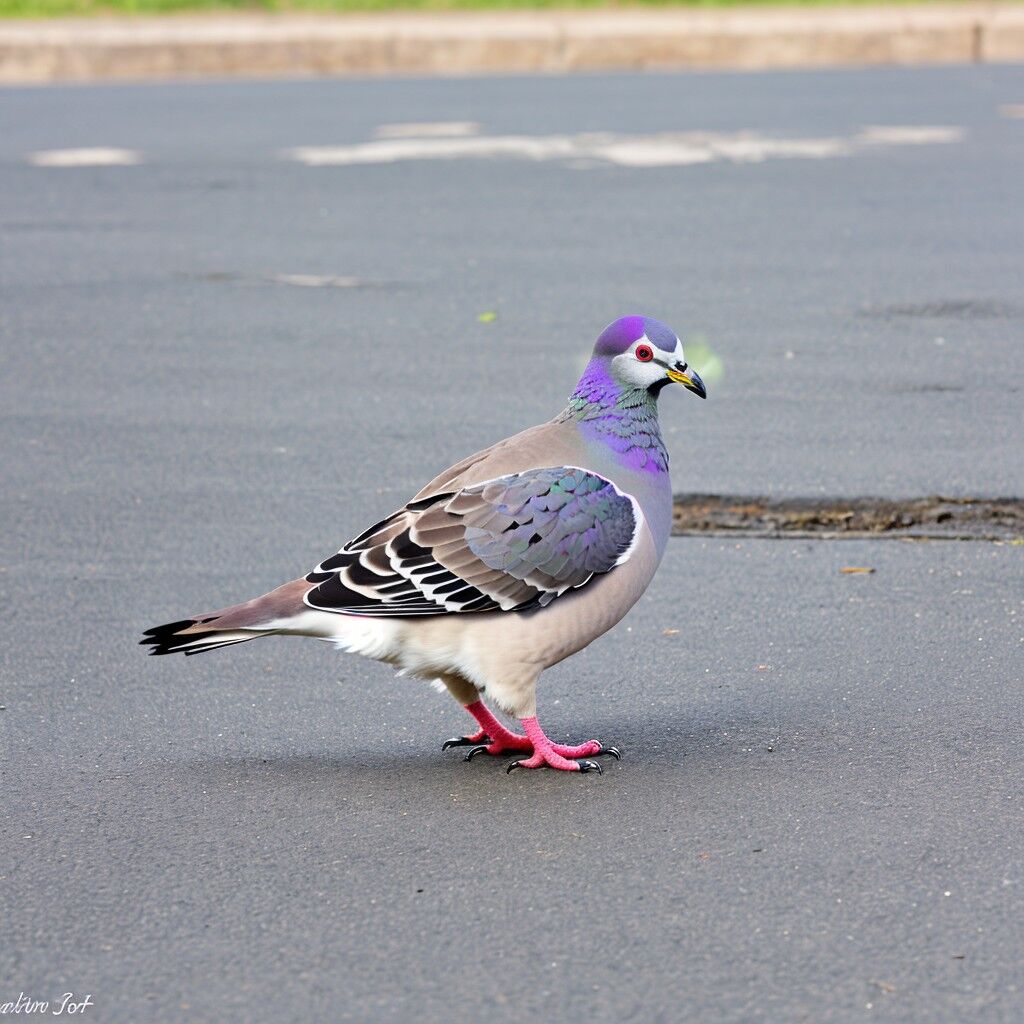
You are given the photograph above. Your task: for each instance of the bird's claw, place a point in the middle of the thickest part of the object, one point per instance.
(464, 741)
(582, 766)
(481, 749)
(611, 751)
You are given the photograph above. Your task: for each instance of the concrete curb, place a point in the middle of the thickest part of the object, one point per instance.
(267, 45)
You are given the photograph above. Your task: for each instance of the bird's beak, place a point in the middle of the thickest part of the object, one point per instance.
(690, 380)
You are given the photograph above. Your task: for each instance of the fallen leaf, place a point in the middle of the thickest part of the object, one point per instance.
(487, 317)
(854, 569)
(669, 632)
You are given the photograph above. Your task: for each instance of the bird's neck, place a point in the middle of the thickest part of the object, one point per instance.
(624, 419)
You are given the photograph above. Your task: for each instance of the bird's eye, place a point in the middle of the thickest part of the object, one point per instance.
(644, 353)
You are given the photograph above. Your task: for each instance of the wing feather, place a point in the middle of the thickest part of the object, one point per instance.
(507, 544)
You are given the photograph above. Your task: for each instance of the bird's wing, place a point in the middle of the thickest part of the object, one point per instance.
(508, 544)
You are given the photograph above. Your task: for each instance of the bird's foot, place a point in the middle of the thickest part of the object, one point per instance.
(504, 742)
(556, 755)
(492, 737)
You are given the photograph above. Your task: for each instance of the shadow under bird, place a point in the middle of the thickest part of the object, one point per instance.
(505, 564)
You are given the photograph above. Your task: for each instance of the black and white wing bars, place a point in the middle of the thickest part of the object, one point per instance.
(508, 544)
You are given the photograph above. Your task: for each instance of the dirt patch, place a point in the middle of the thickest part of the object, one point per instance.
(932, 518)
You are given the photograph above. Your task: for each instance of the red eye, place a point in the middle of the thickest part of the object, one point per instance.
(644, 353)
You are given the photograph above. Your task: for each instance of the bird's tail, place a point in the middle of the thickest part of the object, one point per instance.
(194, 636)
(263, 616)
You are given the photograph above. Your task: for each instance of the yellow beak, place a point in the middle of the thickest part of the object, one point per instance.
(690, 380)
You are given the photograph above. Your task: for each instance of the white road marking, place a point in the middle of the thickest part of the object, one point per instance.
(95, 157)
(665, 149)
(315, 280)
(921, 135)
(393, 150)
(428, 130)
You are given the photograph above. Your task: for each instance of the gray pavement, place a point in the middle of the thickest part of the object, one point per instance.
(818, 814)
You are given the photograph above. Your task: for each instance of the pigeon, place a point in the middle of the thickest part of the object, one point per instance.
(505, 564)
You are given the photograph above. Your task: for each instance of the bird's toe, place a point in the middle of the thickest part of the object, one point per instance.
(464, 741)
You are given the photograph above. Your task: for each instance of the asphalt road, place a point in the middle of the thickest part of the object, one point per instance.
(818, 813)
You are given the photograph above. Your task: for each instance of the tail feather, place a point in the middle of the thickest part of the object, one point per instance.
(263, 616)
(185, 638)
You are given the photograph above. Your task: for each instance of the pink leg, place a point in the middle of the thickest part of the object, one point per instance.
(492, 737)
(555, 755)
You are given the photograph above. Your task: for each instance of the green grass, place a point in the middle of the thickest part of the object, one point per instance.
(78, 8)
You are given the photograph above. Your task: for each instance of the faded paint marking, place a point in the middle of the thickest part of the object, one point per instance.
(316, 280)
(95, 157)
(666, 149)
(428, 130)
(921, 135)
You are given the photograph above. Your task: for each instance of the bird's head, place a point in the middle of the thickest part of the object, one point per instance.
(644, 353)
